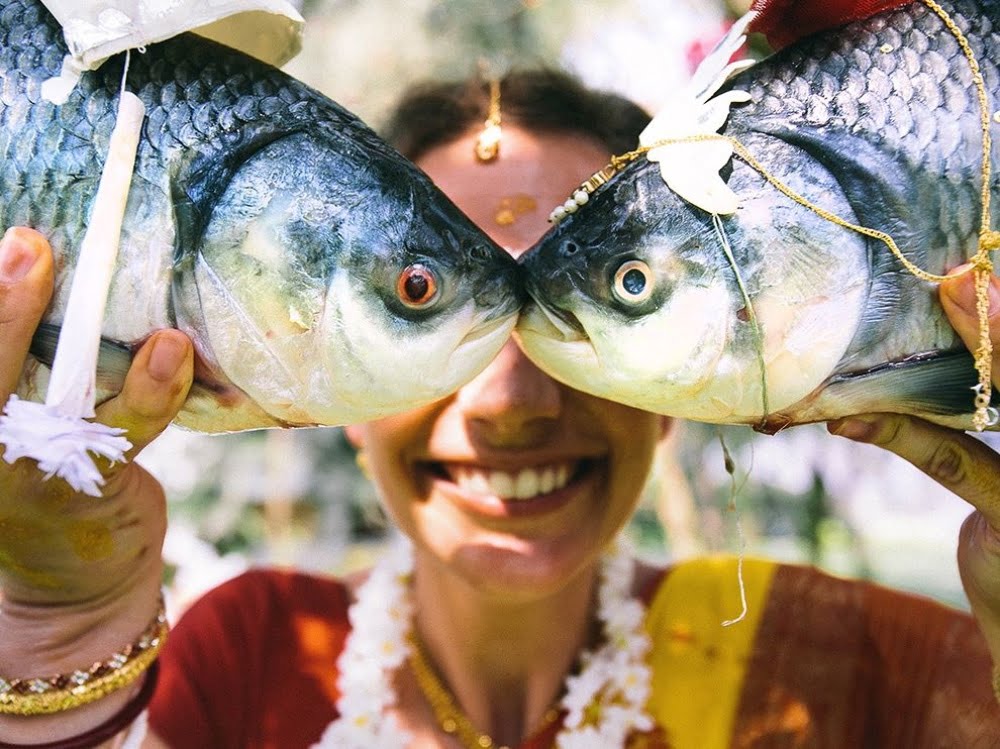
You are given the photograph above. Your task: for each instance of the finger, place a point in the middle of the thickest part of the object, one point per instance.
(953, 458)
(958, 298)
(979, 565)
(155, 388)
(25, 290)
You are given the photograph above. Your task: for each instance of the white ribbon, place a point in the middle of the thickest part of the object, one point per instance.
(57, 434)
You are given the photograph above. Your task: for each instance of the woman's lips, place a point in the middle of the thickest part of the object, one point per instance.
(513, 493)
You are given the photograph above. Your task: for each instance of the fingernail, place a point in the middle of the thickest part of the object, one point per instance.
(17, 256)
(166, 358)
(852, 428)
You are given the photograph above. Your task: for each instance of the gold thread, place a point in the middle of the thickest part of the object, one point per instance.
(42, 696)
(982, 263)
(449, 716)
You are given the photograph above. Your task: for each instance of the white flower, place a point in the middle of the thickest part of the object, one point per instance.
(690, 157)
(610, 692)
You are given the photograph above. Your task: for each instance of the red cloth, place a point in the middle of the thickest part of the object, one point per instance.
(784, 21)
(252, 665)
(836, 663)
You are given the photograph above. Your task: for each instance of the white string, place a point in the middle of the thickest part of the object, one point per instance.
(733, 491)
(128, 61)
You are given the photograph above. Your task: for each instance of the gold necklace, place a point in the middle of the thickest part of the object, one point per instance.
(449, 716)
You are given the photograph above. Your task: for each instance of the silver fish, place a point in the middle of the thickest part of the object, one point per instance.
(323, 278)
(634, 298)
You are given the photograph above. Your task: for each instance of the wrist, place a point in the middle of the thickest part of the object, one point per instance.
(100, 643)
(37, 640)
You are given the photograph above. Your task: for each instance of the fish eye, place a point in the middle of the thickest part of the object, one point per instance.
(417, 286)
(633, 282)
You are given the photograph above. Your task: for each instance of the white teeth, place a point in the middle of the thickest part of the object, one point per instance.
(502, 484)
(525, 484)
(528, 484)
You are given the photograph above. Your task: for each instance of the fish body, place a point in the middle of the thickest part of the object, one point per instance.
(322, 277)
(775, 315)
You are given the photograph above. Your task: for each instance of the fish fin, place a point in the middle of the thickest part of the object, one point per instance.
(113, 358)
(926, 385)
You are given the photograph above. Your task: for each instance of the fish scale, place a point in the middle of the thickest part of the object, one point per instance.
(877, 122)
(935, 96)
(264, 220)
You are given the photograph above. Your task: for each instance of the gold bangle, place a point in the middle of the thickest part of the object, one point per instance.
(40, 696)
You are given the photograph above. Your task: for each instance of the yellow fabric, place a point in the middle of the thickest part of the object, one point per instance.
(698, 664)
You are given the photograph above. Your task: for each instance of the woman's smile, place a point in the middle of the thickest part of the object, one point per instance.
(512, 492)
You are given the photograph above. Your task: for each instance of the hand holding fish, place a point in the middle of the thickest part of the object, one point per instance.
(957, 460)
(78, 575)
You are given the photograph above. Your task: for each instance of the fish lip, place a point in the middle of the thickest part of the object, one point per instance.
(566, 324)
(487, 328)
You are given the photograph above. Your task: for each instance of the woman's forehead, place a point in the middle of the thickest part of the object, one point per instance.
(511, 197)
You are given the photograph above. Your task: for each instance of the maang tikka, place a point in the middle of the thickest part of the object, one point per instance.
(488, 143)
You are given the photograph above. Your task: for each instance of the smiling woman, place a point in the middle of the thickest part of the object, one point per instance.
(522, 629)
(511, 615)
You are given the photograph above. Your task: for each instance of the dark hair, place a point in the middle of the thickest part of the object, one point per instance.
(433, 114)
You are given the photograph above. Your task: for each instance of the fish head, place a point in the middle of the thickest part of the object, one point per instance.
(625, 297)
(335, 284)
(642, 298)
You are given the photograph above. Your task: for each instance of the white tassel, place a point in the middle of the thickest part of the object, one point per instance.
(57, 434)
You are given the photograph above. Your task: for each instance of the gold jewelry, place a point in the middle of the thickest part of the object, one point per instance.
(488, 143)
(39, 696)
(361, 460)
(449, 716)
(996, 682)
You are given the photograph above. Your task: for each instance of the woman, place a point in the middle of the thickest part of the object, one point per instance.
(511, 492)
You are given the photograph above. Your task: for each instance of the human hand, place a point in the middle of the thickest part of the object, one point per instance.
(956, 460)
(79, 576)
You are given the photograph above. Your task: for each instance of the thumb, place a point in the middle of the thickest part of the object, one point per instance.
(155, 388)
(958, 298)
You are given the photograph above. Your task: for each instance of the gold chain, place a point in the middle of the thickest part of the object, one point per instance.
(981, 263)
(449, 716)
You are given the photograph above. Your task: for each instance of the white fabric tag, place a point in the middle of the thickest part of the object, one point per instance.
(270, 30)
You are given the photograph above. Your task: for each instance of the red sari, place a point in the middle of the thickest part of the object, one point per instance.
(784, 21)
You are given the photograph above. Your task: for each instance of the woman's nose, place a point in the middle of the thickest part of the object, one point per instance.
(512, 403)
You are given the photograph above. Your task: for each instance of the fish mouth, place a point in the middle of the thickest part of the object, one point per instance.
(559, 325)
(489, 328)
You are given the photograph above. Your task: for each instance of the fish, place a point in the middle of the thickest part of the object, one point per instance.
(774, 315)
(322, 277)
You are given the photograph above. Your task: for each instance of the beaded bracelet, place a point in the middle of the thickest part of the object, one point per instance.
(109, 728)
(40, 696)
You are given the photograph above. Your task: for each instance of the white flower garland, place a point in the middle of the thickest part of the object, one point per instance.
(613, 684)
